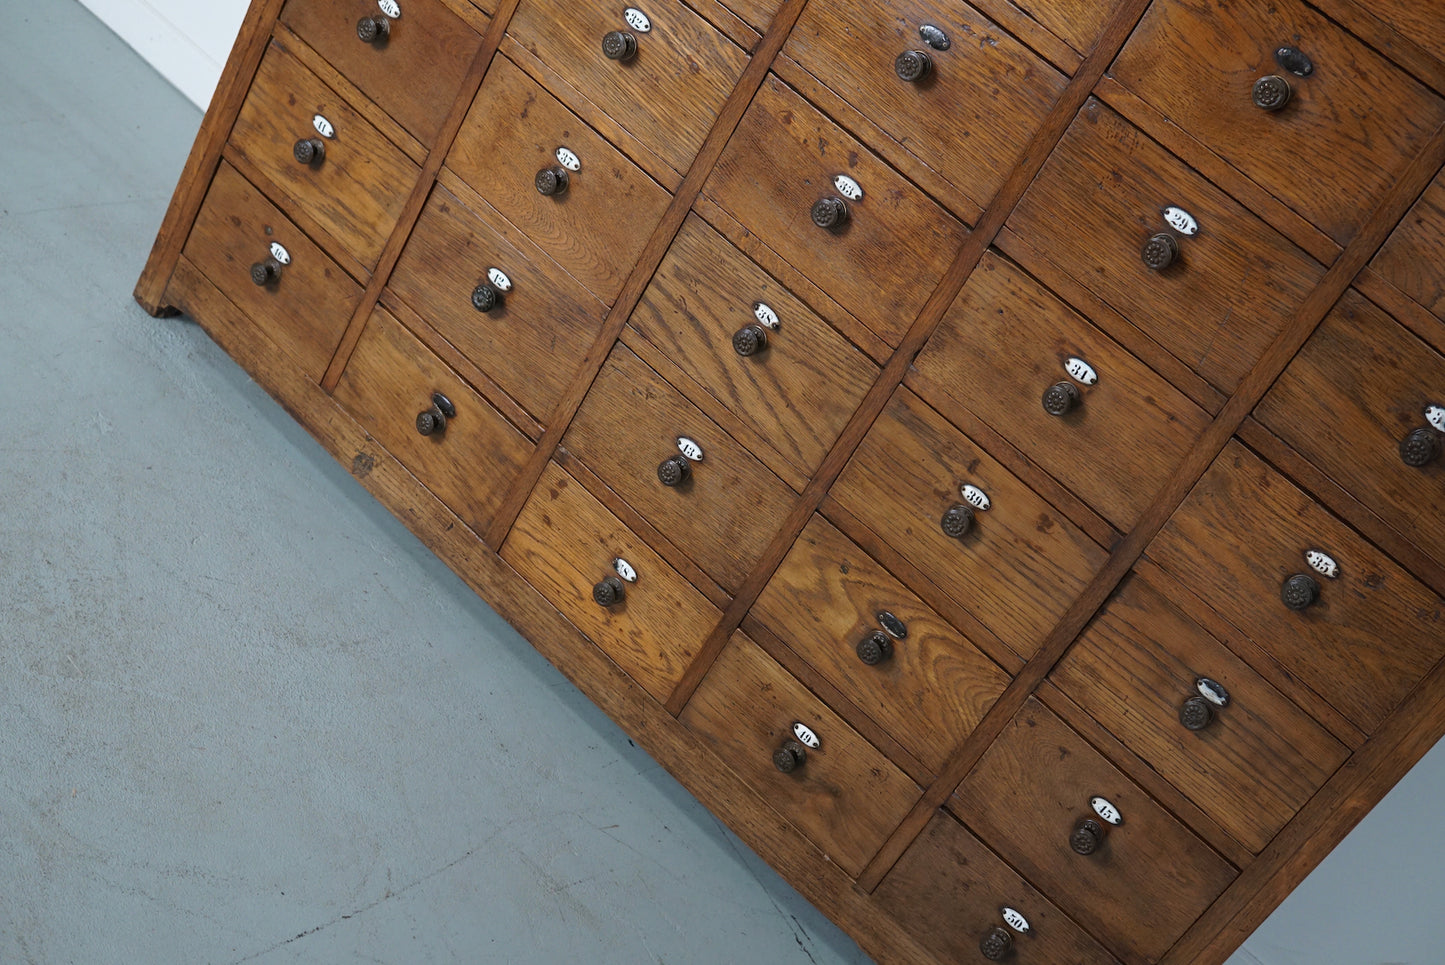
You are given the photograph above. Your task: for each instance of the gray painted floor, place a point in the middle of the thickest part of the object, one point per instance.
(247, 717)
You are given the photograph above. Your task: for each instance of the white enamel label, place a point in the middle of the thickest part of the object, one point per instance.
(1322, 563)
(848, 188)
(323, 126)
(975, 497)
(1015, 921)
(1181, 221)
(689, 448)
(1081, 371)
(280, 253)
(764, 313)
(1435, 415)
(624, 569)
(499, 280)
(1106, 810)
(568, 160)
(390, 8)
(805, 735)
(1211, 691)
(637, 20)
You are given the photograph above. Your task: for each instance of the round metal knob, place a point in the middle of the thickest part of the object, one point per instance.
(1061, 398)
(1160, 251)
(674, 470)
(1088, 835)
(310, 150)
(957, 520)
(830, 212)
(608, 591)
(485, 297)
(1299, 591)
(913, 65)
(1270, 93)
(619, 45)
(373, 30)
(1196, 713)
(1420, 448)
(551, 181)
(434, 420)
(266, 272)
(996, 945)
(875, 648)
(750, 340)
(790, 756)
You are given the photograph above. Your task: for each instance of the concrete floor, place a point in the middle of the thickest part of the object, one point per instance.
(247, 717)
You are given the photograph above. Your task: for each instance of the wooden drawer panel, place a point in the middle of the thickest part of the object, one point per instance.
(1077, 22)
(389, 379)
(1251, 767)
(1019, 565)
(1346, 134)
(825, 599)
(1148, 880)
(534, 339)
(667, 94)
(415, 74)
(1007, 339)
(1244, 530)
(1100, 198)
(798, 391)
(884, 261)
(948, 891)
(1421, 23)
(949, 118)
(358, 187)
(565, 542)
(727, 510)
(846, 797)
(1357, 389)
(306, 307)
(596, 228)
(1413, 259)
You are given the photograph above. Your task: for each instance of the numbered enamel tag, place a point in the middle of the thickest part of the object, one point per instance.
(323, 126)
(1322, 563)
(568, 160)
(806, 736)
(766, 316)
(1106, 811)
(624, 569)
(280, 253)
(1435, 415)
(1181, 221)
(689, 448)
(1015, 920)
(1081, 371)
(499, 280)
(848, 188)
(637, 20)
(390, 7)
(975, 497)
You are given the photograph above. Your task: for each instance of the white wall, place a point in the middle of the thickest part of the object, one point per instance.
(186, 40)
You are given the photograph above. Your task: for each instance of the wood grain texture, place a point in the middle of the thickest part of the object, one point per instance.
(1082, 24)
(1413, 259)
(1408, 34)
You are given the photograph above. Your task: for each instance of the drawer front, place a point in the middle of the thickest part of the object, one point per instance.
(1345, 134)
(304, 305)
(801, 381)
(1422, 23)
(726, 506)
(1098, 202)
(1413, 259)
(1018, 564)
(1251, 763)
(928, 688)
(413, 71)
(884, 260)
(529, 329)
(390, 380)
(1113, 432)
(1357, 390)
(1148, 878)
(1370, 633)
(665, 86)
(640, 611)
(595, 226)
(355, 186)
(843, 795)
(949, 891)
(950, 117)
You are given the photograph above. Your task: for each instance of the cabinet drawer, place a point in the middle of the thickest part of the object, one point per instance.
(1413, 258)
(1100, 199)
(1357, 390)
(303, 305)
(797, 389)
(568, 546)
(1368, 635)
(950, 892)
(1007, 341)
(948, 117)
(1145, 882)
(844, 795)
(1255, 761)
(355, 186)
(668, 82)
(1422, 23)
(726, 506)
(470, 463)
(782, 164)
(541, 321)
(413, 71)
(595, 223)
(1018, 565)
(928, 688)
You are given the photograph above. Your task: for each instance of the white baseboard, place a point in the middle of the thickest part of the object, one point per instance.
(180, 59)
